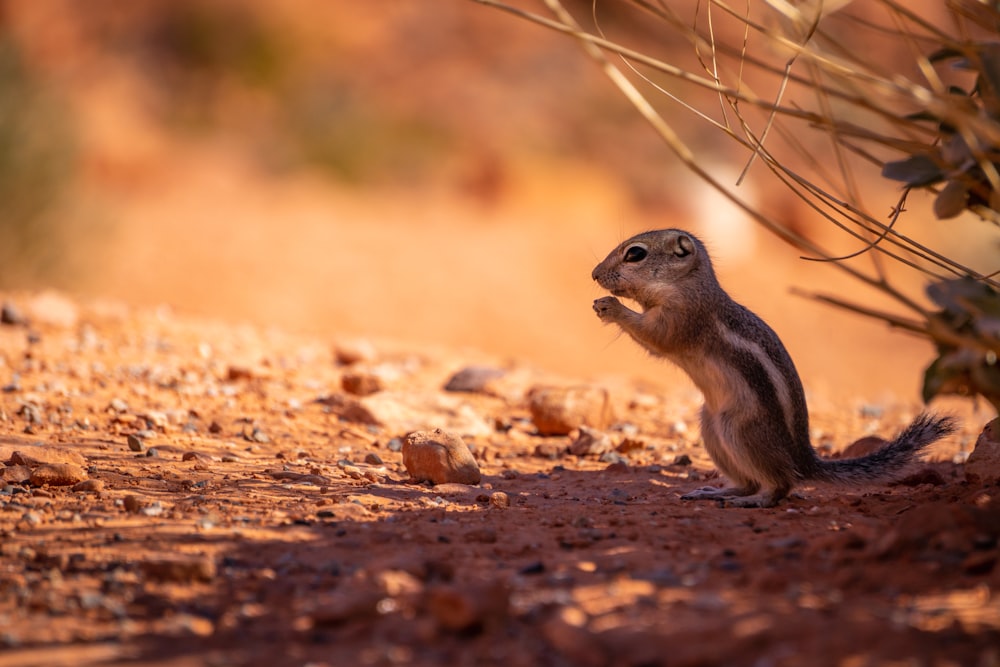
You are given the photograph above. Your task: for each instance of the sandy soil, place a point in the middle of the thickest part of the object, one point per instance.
(224, 500)
(236, 511)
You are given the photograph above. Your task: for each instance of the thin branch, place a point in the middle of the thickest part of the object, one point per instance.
(889, 318)
(896, 212)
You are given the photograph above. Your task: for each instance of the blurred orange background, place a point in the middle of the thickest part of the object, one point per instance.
(432, 171)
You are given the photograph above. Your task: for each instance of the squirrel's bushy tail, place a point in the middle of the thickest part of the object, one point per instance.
(892, 458)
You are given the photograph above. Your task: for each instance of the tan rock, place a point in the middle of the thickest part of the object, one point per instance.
(439, 457)
(57, 474)
(559, 410)
(474, 379)
(361, 383)
(983, 464)
(89, 486)
(412, 411)
(36, 455)
(132, 504)
(14, 474)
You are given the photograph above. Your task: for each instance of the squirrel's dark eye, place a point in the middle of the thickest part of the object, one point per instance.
(635, 253)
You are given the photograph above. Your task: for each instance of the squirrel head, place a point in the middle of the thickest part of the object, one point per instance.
(657, 268)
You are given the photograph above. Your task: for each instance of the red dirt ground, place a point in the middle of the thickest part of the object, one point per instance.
(274, 523)
(269, 528)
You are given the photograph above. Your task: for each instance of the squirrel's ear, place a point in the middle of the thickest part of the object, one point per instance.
(684, 246)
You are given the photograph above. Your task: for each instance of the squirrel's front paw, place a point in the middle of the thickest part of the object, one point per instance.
(607, 307)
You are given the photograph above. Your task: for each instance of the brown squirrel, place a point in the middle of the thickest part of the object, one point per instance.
(754, 423)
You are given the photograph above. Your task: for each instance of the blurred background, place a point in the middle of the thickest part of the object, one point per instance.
(432, 171)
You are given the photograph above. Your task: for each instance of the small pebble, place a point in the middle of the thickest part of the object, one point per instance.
(348, 353)
(871, 411)
(618, 496)
(11, 314)
(473, 379)
(591, 443)
(549, 450)
(153, 509)
(258, 436)
(500, 500)
(537, 567)
(560, 410)
(617, 467)
(134, 442)
(439, 457)
(629, 445)
(361, 384)
(89, 486)
(132, 504)
(155, 419)
(236, 373)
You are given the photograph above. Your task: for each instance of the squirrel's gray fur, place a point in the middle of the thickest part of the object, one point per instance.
(755, 423)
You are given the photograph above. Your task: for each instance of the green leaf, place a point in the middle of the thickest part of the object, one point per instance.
(915, 171)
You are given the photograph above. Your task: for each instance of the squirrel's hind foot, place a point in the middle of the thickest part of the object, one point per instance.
(738, 496)
(718, 492)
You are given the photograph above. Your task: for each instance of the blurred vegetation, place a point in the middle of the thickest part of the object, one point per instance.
(822, 98)
(217, 42)
(205, 70)
(337, 131)
(215, 57)
(36, 166)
